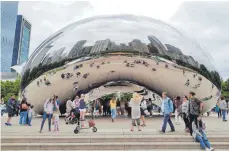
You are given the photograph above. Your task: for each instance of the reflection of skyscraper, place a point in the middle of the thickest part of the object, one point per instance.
(36, 61)
(173, 49)
(40, 52)
(86, 50)
(56, 56)
(136, 44)
(157, 44)
(75, 51)
(100, 46)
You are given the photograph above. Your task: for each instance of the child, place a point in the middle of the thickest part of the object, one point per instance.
(30, 114)
(56, 120)
(199, 135)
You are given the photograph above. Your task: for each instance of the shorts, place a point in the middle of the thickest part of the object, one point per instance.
(142, 112)
(82, 110)
(10, 114)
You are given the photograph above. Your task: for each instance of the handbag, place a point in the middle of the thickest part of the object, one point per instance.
(24, 106)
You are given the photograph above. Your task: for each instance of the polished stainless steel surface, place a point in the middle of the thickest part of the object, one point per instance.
(89, 53)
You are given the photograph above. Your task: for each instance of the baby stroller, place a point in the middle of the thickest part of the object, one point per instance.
(79, 126)
(73, 117)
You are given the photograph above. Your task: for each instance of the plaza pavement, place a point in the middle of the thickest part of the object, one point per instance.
(112, 134)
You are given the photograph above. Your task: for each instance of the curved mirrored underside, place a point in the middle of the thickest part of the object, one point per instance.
(88, 54)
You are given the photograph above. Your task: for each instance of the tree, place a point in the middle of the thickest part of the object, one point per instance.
(225, 89)
(9, 88)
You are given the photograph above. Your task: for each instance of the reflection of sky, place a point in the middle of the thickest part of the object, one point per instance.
(123, 29)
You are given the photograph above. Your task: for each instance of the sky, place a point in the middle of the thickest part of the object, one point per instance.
(204, 21)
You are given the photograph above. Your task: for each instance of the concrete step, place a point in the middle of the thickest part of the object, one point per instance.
(107, 139)
(110, 146)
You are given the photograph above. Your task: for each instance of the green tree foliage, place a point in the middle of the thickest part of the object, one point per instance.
(225, 89)
(9, 88)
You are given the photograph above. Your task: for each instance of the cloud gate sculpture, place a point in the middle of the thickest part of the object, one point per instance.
(90, 53)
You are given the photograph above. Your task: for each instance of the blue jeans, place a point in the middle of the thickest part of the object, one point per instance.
(203, 140)
(224, 114)
(45, 115)
(29, 120)
(113, 113)
(166, 120)
(23, 117)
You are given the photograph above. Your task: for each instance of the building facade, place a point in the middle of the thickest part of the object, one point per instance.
(22, 41)
(101, 46)
(9, 10)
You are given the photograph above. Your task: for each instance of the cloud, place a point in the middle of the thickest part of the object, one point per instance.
(206, 22)
(48, 17)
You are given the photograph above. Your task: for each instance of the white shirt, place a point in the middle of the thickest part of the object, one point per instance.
(48, 107)
(223, 104)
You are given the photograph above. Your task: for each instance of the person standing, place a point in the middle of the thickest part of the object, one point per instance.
(195, 109)
(122, 107)
(218, 110)
(69, 106)
(135, 111)
(184, 110)
(178, 103)
(23, 112)
(48, 111)
(223, 107)
(143, 108)
(113, 104)
(167, 109)
(10, 107)
(30, 114)
(82, 108)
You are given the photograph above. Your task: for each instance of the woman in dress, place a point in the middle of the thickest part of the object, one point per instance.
(135, 110)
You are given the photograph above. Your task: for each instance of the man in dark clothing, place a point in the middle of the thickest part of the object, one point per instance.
(195, 109)
(10, 107)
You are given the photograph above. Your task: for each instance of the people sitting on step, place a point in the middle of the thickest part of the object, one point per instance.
(199, 135)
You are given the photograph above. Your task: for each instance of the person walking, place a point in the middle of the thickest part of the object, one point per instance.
(199, 135)
(218, 110)
(113, 104)
(223, 107)
(184, 110)
(195, 109)
(135, 111)
(167, 109)
(10, 107)
(48, 111)
(178, 103)
(24, 106)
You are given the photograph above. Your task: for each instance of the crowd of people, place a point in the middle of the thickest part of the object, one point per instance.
(188, 108)
(26, 111)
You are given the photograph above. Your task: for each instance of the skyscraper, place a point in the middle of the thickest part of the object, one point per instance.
(22, 41)
(9, 10)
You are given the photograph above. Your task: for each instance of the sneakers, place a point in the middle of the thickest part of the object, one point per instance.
(8, 124)
(211, 149)
(172, 131)
(161, 132)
